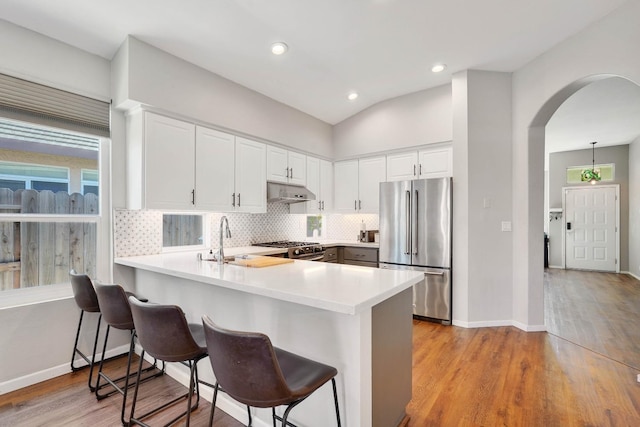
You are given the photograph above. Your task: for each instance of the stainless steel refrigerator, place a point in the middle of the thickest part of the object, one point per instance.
(415, 234)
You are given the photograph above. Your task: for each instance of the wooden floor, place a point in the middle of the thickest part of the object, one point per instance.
(599, 311)
(461, 377)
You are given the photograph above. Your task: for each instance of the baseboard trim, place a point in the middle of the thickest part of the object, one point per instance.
(631, 274)
(500, 323)
(56, 371)
(557, 266)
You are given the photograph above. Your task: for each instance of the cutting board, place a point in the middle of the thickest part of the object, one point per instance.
(261, 261)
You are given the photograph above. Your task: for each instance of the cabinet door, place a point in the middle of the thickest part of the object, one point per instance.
(277, 164)
(345, 186)
(251, 176)
(326, 185)
(169, 162)
(297, 168)
(371, 173)
(402, 166)
(215, 167)
(313, 184)
(436, 163)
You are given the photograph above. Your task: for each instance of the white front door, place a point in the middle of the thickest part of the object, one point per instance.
(591, 216)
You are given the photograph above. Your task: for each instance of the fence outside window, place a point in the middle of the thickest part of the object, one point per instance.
(44, 234)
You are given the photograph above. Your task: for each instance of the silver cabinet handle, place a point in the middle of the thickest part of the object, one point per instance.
(238, 199)
(414, 227)
(193, 196)
(420, 169)
(360, 205)
(407, 235)
(355, 205)
(434, 273)
(233, 200)
(319, 205)
(291, 171)
(414, 170)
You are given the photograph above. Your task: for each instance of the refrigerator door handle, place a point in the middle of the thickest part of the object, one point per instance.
(407, 224)
(414, 227)
(434, 273)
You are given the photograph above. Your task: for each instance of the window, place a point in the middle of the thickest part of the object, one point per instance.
(314, 226)
(89, 181)
(574, 174)
(48, 220)
(182, 230)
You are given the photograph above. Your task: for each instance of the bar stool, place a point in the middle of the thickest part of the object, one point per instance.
(115, 309)
(164, 333)
(277, 376)
(87, 301)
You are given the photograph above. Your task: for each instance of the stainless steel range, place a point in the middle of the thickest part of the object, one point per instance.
(309, 251)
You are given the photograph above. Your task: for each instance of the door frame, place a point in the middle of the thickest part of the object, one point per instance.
(564, 219)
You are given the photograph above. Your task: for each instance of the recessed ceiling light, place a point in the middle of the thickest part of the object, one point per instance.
(352, 96)
(438, 68)
(278, 48)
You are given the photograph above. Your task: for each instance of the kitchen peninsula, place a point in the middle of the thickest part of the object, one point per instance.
(357, 319)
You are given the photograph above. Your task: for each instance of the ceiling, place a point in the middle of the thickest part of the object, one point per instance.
(605, 111)
(380, 48)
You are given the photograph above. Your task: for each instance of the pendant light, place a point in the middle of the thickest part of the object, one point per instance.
(592, 175)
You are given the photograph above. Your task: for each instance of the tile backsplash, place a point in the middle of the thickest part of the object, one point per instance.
(139, 232)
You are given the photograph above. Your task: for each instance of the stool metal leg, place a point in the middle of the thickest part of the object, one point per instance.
(91, 362)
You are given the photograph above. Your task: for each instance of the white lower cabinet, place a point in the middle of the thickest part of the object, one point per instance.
(356, 184)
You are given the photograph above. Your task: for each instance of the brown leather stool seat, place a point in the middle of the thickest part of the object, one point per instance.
(277, 376)
(87, 301)
(116, 311)
(164, 333)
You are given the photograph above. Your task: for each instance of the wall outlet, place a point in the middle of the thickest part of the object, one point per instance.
(506, 225)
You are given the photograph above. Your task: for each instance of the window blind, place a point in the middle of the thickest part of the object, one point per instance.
(35, 103)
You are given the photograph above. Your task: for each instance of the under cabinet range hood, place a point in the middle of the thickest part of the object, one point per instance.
(287, 193)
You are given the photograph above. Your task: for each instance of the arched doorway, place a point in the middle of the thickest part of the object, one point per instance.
(590, 328)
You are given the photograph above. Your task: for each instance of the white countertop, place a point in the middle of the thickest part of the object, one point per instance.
(340, 288)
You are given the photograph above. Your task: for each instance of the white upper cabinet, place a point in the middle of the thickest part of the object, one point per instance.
(160, 162)
(320, 183)
(357, 184)
(436, 162)
(402, 166)
(371, 172)
(426, 163)
(286, 166)
(250, 178)
(175, 165)
(326, 186)
(215, 169)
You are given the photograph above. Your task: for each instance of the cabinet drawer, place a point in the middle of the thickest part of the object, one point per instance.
(360, 254)
(331, 255)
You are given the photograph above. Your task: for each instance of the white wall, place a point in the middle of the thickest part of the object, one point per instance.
(419, 118)
(156, 78)
(634, 208)
(482, 198)
(37, 339)
(558, 164)
(605, 48)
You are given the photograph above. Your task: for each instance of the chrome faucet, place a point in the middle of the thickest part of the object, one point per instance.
(223, 220)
